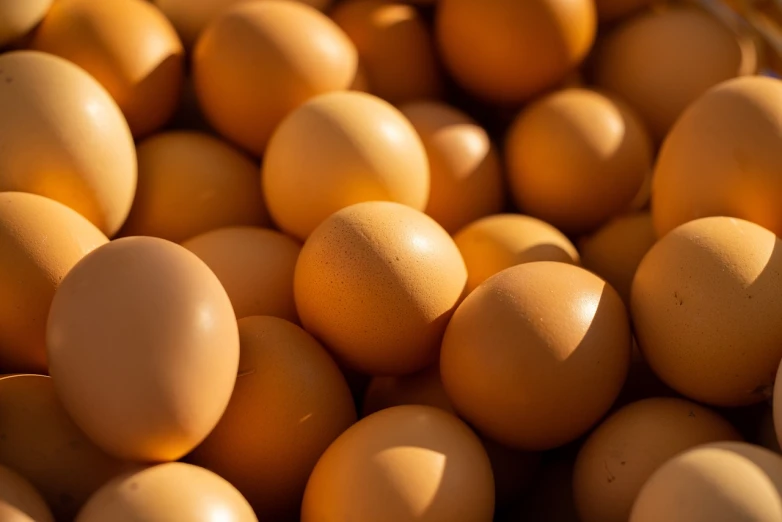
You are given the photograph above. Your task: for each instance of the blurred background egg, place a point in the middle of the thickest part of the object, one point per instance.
(19, 501)
(17, 18)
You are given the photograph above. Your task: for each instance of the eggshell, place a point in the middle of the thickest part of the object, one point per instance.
(258, 61)
(497, 242)
(723, 482)
(724, 158)
(359, 148)
(289, 404)
(64, 138)
(662, 61)
(143, 348)
(507, 51)
(19, 501)
(19, 18)
(464, 166)
(576, 158)
(623, 452)
(402, 464)
(612, 10)
(190, 183)
(705, 302)
(377, 282)
(40, 442)
(535, 355)
(394, 44)
(254, 265)
(40, 240)
(172, 491)
(128, 46)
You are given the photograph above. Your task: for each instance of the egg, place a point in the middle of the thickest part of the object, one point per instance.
(359, 148)
(577, 158)
(17, 19)
(190, 183)
(464, 166)
(143, 348)
(615, 250)
(623, 452)
(612, 10)
(19, 501)
(662, 61)
(724, 158)
(128, 46)
(377, 283)
(254, 265)
(287, 54)
(536, 355)
(40, 240)
(494, 243)
(40, 442)
(506, 51)
(289, 404)
(394, 44)
(723, 482)
(171, 491)
(402, 464)
(64, 138)
(705, 303)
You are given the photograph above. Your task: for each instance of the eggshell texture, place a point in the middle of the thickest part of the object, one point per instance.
(190, 183)
(723, 482)
(19, 501)
(464, 166)
(617, 248)
(611, 10)
(576, 158)
(358, 148)
(706, 302)
(402, 464)
(128, 46)
(172, 491)
(724, 158)
(535, 356)
(41, 443)
(40, 240)
(377, 282)
(64, 138)
(620, 456)
(497, 242)
(254, 265)
(289, 404)
(258, 61)
(662, 61)
(143, 348)
(507, 51)
(19, 18)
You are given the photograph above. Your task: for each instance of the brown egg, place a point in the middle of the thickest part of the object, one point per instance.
(17, 19)
(40, 240)
(377, 282)
(40, 442)
(662, 61)
(358, 148)
(723, 158)
(172, 491)
(465, 170)
(705, 302)
(128, 46)
(536, 355)
(611, 10)
(507, 51)
(395, 47)
(402, 464)
(143, 348)
(64, 138)
(623, 452)
(190, 183)
(494, 243)
(287, 53)
(617, 248)
(722, 482)
(577, 158)
(19, 501)
(254, 265)
(289, 404)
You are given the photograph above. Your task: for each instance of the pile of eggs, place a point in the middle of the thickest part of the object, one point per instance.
(389, 261)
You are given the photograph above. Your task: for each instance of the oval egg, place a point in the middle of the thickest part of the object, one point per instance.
(19, 501)
(17, 19)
